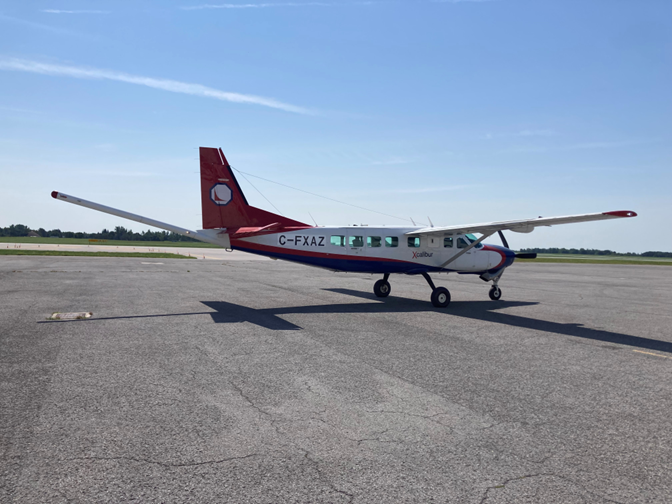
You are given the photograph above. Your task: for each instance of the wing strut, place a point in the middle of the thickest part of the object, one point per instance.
(463, 251)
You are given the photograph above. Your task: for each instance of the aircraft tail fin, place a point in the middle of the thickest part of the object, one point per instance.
(223, 203)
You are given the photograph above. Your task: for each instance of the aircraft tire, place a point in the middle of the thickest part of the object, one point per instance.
(382, 288)
(495, 293)
(440, 297)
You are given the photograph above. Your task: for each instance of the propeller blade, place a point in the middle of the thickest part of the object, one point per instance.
(529, 255)
(504, 242)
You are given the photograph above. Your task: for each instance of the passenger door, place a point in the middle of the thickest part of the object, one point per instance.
(467, 261)
(356, 244)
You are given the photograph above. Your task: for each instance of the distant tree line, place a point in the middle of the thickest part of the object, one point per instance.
(119, 233)
(583, 251)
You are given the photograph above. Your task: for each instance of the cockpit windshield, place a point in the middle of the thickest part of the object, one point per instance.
(471, 238)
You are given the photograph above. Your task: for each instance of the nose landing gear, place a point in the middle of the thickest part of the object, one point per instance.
(495, 293)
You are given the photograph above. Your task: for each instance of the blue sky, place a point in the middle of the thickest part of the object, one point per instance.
(460, 111)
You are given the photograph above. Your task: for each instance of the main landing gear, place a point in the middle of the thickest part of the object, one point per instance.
(382, 287)
(440, 295)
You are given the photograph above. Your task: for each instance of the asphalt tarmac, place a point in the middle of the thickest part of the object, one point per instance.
(269, 382)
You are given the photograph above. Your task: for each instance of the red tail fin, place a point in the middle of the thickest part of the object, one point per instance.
(223, 202)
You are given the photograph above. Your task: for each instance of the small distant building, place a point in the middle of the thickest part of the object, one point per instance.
(33, 234)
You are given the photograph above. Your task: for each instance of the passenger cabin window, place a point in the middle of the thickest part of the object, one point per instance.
(448, 242)
(462, 243)
(356, 241)
(338, 240)
(391, 241)
(414, 241)
(373, 241)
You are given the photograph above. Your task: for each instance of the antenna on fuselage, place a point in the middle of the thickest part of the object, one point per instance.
(311, 216)
(431, 224)
(413, 221)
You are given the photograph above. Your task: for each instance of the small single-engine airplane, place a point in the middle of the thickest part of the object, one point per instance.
(230, 222)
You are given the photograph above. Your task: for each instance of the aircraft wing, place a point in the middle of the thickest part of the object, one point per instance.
(520, 226)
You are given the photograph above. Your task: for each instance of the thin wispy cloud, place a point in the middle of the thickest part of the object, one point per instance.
(611, 145)
(58, 11)
(581, 146)
(271, 5)
(391, 161)
(266, 5)
(38, 26)
(118, 173)
(522, 133)
(422, 190)
(539, 132)
(20, 65)
(18, 110)
(461, 1)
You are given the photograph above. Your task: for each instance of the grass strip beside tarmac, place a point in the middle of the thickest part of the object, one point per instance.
(152, 255)
(110, 243)
(570, 260)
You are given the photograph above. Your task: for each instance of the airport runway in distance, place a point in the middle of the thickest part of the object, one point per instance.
(268, 382)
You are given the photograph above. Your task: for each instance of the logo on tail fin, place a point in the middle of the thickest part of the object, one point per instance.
(221, 194)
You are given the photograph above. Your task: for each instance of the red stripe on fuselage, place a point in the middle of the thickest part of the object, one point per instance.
(500, 252)
(258, 247)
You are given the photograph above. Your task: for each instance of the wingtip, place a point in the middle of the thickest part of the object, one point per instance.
(622, 213)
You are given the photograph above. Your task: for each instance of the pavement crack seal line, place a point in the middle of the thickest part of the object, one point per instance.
(306, 453)
(249, 401)
(62, 494)
(167, 464)
(486, 495)
(429, 418)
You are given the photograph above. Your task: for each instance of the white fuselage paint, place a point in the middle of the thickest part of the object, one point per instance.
(358, 244)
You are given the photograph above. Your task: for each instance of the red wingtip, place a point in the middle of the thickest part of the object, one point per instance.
(622, 213)
(54, 194)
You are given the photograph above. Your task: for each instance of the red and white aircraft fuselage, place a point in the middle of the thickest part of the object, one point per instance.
(230, 222)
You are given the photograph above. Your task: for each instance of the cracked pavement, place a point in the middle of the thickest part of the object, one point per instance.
(266, 382)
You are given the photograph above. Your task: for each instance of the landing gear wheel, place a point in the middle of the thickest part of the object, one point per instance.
(495, 293)
(440, 297)
(382, 288)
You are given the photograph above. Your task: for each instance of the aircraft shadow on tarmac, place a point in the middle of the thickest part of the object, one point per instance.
(270, 318)
(486, 310)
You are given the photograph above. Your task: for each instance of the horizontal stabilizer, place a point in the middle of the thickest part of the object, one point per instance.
(139, 218)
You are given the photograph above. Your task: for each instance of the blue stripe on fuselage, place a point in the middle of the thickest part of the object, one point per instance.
(354, 265)
(509, 255)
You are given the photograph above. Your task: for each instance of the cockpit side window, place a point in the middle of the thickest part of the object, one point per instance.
(472, 239)
(462, 243)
